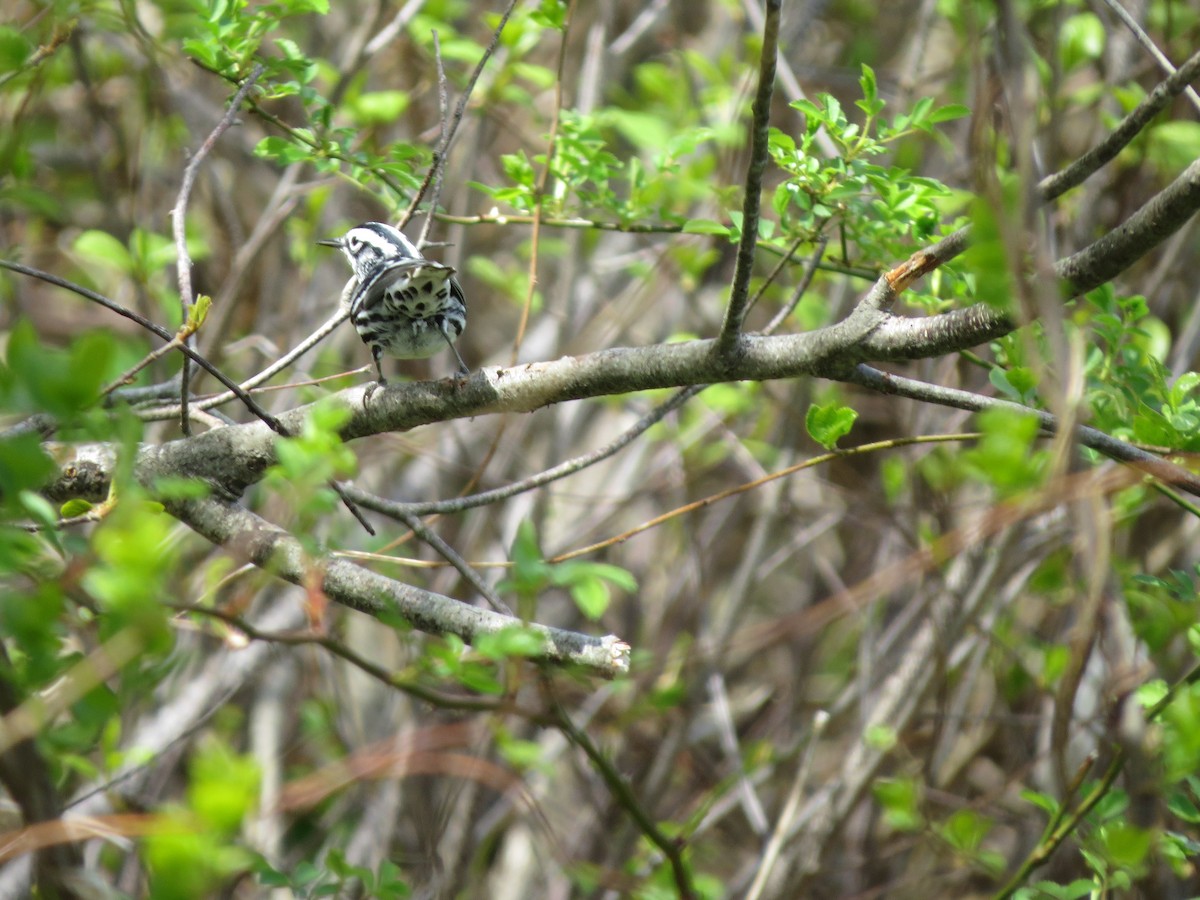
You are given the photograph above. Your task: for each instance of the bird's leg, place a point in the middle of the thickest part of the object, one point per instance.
(463, 371)
(377, 355)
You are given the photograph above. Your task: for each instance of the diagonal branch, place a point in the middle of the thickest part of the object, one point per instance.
(1059, 183)
(1111, 447)
(568, 467)
(183, 263)
(1161, 216)
(739, 295)
(1148, 44)
(273, 549)
(155, 329)
(448, 133)
(1053, 186)
(271, 421)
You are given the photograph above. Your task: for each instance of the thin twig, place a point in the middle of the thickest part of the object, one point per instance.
(562, 470)
(790, 807)
(739, 295)
(63, 31)
(812, 462)
(810, 271)
(671, 848)
(1077, 172)
(1115, 251)
(393, 28)
(156, 330)
(183, 263)
(444, 117)
(1111, 447)
(271, 422)
(539, 192)
(322, 331)
(337, 648)
(451, 556)
(443, 148)
(1144, 39)
(126, 377)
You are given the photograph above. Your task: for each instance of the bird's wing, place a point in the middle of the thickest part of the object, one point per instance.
(382, 277)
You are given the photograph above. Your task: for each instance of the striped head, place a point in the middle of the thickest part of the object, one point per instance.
(369, 244)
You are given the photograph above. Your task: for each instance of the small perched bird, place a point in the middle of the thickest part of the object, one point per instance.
(402, 304)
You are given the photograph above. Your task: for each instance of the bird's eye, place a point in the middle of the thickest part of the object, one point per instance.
(354, 244)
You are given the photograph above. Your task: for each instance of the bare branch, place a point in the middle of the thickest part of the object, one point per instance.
(452, 556)
(562, 470)
(183, 263)
(1144, 39)
(899, 338)
(448, 134)
(1111, 447)
(156, 330)
(322, 331)
(1163, 215)
(1076, 173)
(273, 549)
(444, 117)
(739, 295)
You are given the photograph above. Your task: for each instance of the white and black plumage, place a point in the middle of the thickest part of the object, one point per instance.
(401, 304)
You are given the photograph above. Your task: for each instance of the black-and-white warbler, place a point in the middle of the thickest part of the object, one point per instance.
(401, 303)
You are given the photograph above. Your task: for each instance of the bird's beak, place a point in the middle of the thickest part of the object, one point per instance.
(331, 242)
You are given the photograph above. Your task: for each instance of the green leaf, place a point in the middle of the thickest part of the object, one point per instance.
(948, 113)
(809, 109)
(1004, 456)
(705, 226)
(965, 830)
(223, 788)
(551, 14)
(520, 754)
(73, 508)
(530, 573)
(199, 311)
(591, 596)
(1043, 801)
(900, 799)
(1081, 40)
(1018, 383)
(24, 465)
(870, 103)
(282, 149)
(1173, 146)
(379, 107)
(880, 737)
(47, 379)
(15, 48)
(1127, 845)
(827, 424)
(1183, 807)
(102, 249)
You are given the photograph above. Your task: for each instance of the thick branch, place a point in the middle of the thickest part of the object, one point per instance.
(233, 457)
(921, 338)
(1162, 216)
(273, 549)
